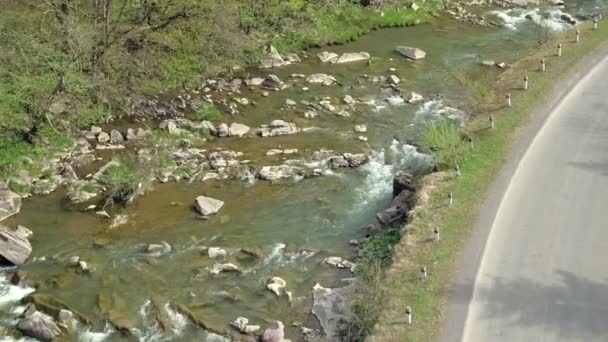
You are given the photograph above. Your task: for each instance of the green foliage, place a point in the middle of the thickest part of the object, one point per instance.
(124, 181)
(446, 143)
(209, 113)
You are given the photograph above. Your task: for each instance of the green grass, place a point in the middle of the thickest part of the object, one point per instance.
(400, 285)
(445, 141)
(208, 113)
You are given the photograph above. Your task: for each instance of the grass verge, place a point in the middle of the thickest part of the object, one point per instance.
(402, 285)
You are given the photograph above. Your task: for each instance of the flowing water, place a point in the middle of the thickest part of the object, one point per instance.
(294, 226)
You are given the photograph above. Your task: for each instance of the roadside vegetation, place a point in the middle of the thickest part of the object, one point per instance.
(400, 283)
(66, 65)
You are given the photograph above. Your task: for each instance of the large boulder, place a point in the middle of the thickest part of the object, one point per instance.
(278, 127)
(10, 204)
(272, 173)
(14, 246)
(39, 326)
(328, 57)
(272, 82)
(237, 130)
(353, 57)
(399, 208)
(275, 333)
(403, 180)
(323, 79)
(411, 52)
(332, 309)
(207, 205)
(273, 59)
(356, 160)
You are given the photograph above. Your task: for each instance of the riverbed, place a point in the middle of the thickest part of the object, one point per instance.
(293, 226)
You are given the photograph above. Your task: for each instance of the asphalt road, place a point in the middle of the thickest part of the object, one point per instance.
(543, 270)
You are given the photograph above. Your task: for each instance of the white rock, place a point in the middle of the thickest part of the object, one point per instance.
(360, 128)
(207, 205)
(216, 252)
(343, 113)
(290, 103)
(362, 138)
(415, 98)
(237, 130)
(411, 52)
(394, 80)
(334, 261)
(219, 268)
(276, 284)
(348, 99)
(328, 57)
(324, 79)
(353, 57)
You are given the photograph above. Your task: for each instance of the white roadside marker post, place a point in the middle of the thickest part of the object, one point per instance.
(595, 21)
(543, 65)
(508, 99)
(578, 36)
(457, 170)
(436, 233)
(492, 121)
(526, 82)
(408, 314)
(423, 274)
(450, 198)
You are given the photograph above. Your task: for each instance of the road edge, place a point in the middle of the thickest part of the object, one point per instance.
(469, 259)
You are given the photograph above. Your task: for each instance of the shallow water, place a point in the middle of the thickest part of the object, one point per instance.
(294, 225)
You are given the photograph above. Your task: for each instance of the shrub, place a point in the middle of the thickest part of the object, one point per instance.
(445, 141)
(209, 113)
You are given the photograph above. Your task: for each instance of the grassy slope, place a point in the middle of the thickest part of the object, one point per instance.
(214, 36)
(401, 285)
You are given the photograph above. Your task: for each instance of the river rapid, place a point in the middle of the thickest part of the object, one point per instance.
(293, 225)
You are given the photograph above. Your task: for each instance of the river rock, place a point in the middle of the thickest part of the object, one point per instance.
(332, 309)
(65, 317)
(415, 98)
(24, 232)
(356, 160)
(82, 191)
(216, 252)
(337, 162)
(237, 130)
(353, 57)
(290, 103)
(362, 138)
(131, 135)
(323, 79)
(219, 268)
(327, 57)
(403, 180)
(488, 63)
(14, 247)
(278, 127)
(392, 79)
(46, 186)
(276, 284)
(242, 325)
(410, 52)
(10, 203)
(275, 333)
(255, 81)
(273, 59)
(207, 205)
(38, 325)
(116, 137)
(349, 100)
(103, 137)
(326, 104)
(360, 128)
(311, 114)
(96, 130)
(272, 82)
(272, 173)
(399, 209)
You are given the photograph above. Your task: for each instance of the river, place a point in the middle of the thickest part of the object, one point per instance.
(294, 226)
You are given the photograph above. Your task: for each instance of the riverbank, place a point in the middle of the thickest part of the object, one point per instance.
(478, 169)
(77, 72)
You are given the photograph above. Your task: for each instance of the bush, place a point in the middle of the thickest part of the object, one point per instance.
(123, 182)
(445, 141)
(208, 113)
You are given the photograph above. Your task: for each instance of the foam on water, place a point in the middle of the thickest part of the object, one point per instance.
(436, 110)
(177, 320)
(86, 335)
(382, 165)
(513, 18)
(10, 294)
(278, 250)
